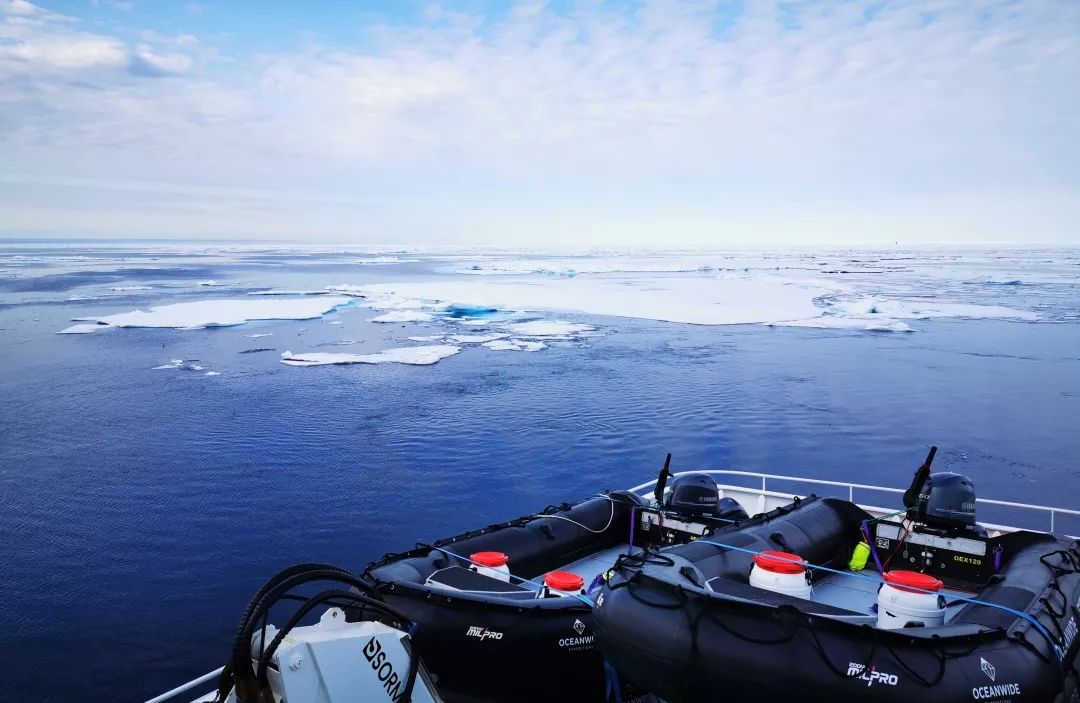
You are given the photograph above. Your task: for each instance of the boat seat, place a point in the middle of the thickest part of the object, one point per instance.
(745, 591)
(459, 578)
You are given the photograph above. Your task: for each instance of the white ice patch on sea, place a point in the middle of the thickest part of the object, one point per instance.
(420, 356)
(706, 300)
(122, 289)
(515, 345)
(218, 313)
(549, 328)
(404, 316)
(256, 335)
(182, 364)
(925, 309)
(84, 328)
(289, 292)
(383, 260)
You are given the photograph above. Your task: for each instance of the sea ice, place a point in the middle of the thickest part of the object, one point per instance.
(427, 338)
(404, 316)
(705, 300)
(548, 328)
(83, 328)
(335, 322)
(515, 345)
(219, 313)
(476, 338)
(256, 335)
(422, 356)
(127, 288)
(379, 260)
(924, 309)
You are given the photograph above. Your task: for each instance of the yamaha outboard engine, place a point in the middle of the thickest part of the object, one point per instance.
(693, 494)
(947, 500)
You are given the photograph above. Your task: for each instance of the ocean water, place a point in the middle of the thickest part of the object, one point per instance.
(141, 507)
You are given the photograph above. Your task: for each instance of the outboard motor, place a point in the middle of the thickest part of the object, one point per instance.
(947, 500)
(693, 494)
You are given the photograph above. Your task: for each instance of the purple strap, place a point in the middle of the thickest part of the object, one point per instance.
(873, 549)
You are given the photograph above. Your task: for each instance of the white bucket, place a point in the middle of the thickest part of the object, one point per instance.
(493, 564)
(562, 583)
(780, 572)
(899, 604)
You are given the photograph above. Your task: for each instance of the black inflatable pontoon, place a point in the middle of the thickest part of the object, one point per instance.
(487, 638)
(685, 623)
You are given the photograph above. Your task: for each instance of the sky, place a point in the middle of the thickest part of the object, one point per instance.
(661, 123)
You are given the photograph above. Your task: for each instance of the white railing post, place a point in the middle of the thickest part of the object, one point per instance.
(763, 482)
(850, 493)
(1051, 519)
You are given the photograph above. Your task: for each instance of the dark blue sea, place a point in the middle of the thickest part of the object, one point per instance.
(141, 507)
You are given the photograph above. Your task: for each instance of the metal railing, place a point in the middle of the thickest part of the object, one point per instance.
(852, 487)
(764, 489)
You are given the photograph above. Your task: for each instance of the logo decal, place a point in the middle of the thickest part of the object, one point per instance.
(579, 626)
(482, 633)
(871, 675)
(988, 669)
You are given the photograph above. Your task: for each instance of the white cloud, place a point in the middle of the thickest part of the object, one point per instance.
(594, 121)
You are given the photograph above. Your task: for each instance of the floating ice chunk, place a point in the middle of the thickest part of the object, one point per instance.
(211, 284)
(212, 373)
(221, 313)
(705, 300)
(421, 356)
(476, 338)
(77, 298)
(427, 338)
(121, 289)
(382, 260)
(847, 323)
(335, 322)
(289, 292)
(404, 316)
(548, 328)
(925, 309)
(83, 328)
(515, 345)
(179, 364)
(473, 323)
(256, 335)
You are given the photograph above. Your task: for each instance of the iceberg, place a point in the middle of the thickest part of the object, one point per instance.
(420, 356)
(215, 313)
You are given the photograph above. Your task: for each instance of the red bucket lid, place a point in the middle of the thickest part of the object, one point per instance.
(780, 562)
(912, 581)
(491, 559)
(564, 581)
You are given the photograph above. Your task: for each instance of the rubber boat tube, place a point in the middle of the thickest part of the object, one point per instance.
(685, 624)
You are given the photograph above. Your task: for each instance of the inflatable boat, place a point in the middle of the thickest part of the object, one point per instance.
(823, 600)
(503, 612)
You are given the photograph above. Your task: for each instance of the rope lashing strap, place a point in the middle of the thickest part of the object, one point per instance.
(612, 689)
(539, 586)
(818, 567)
(870, 543)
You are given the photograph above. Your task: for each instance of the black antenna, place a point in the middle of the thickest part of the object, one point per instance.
(661, 481)
(911, 495)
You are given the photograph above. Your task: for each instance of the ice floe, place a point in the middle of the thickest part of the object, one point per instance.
(289, 292)
(123, 289)
(515, 345)
(847, 323)
(382, 260)
(421, 356)
(548, 328)
(216, 313)
(404, 316)
(83, 328)
(925, 309)
(256, 335)
(705, 300)
(186, 365)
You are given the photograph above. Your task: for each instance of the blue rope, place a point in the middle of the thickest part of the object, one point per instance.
(1019, 613)
(539, 586)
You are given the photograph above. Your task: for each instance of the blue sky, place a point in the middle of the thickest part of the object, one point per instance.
(652, 123)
